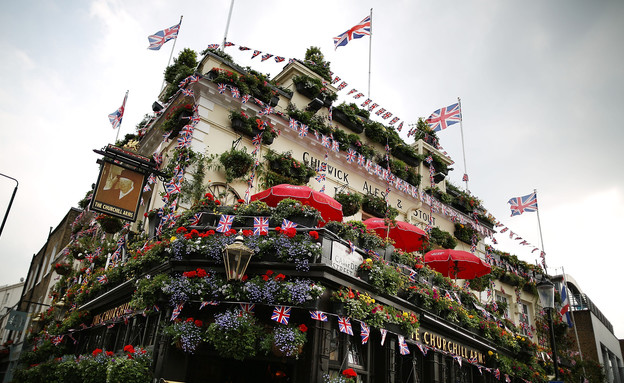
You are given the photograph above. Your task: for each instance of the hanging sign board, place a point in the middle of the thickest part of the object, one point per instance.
(118, 191)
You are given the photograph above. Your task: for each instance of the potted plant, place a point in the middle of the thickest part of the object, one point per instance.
(313, 88)
(176, 118)
(187, 334)
(235, 334)
(465, 233)
(351, 202)
(109, 224)
(282, 168)
(62, 268)
(377, 206)
(285, 341)
(251, 127)
(407, 154)
(296, 211)
(376, 132)
(236, 162)
(350, 116)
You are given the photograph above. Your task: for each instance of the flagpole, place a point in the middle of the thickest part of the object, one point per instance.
(124, 111)
(171, 54)
(461, 129)
(227, 25)
(539, 225)
(370, 45)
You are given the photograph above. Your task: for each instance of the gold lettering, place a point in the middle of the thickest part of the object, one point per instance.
(443, 344)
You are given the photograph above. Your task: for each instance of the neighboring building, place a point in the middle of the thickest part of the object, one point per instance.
(9, 297)
(458, 340)
(595, 333)
(33, 297)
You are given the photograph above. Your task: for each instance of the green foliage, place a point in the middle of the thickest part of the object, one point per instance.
(236, 162)
(282, 168)
(289, 207)
(183, 66)
(126, 370)
(377, 206)
(465, 233)
(148, 291)
(217, 52)
(235, 335)
(193, 188)
(442, 238)
(316, 62)
(351, 202)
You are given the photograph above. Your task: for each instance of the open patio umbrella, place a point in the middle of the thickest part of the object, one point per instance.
(330, 209)
(405, 235)
(457, 264)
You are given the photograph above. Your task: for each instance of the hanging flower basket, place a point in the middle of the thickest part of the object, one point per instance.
(109, 225)
(62, 268)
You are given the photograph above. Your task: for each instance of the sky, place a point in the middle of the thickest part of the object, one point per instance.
(540, 83)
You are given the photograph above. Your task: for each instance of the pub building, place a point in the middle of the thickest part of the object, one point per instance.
(203, 120)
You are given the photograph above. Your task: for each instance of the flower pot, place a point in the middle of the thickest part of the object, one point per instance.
(407, 158)
(309, 92)
(313, 304)
(364, 275)
(339, 116)
(274, 101)
(394, 328)
(304, 221)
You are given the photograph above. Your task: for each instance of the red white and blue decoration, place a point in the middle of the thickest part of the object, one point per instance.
(444, 117)
(363, 28)
(527, 203)
(159, 38)
(281, 314)
(344, 325)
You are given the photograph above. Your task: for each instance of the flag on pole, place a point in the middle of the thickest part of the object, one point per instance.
(526, 203)
(443, 117)
(159, 38)
(565, 305)
(358, 31)
(116, 116)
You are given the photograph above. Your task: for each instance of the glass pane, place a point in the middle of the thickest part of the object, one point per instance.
(333, 345)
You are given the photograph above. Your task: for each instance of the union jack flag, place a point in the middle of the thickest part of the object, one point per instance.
(279, 59)
(335, 80)
(443, 117)
(364, 332)
(497, 374)
(383, 332)
(380, 111)
(422, 348)
(266, 111)
(56, 340)
(177, 310)
(257, 140)
(249, 308)
(221, 88)
(325, 141)
(292, 124)
(365, 103)
(146, 188)
(403, 349)
(159, 38)
(351, 92)
(386, 115)
(394, 121)
(318, 315)
(507, 379)
(184, 141)
(281, 314)
(228, 44)
(286, 224)
(412, 275)
(350, 155)
(90, 258)
(359, 95)
(208, 303)
(195, 220)
(242, 48)
(213, 46)
(363, 28)
(156, 308)
(335, 147)
(255, 53)
(465, 177)
(261, 225)
(235, 92)
(266, 56)
(245, 98)
(361, 160)
(103, 279)
(344, 325)
(342, 86)
(320, 177)
(116, 116)
(526, 203)
(187, 92)
(303, 130)
(225, 223)
(400, 127)
(173, 187)
(373, 106)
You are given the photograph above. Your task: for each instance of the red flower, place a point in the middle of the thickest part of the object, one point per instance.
(210, 232)
(303, 328)
(217, 202)
(278, 229)
(109, 353)
(97, 351)
(280, 277)
(129, 348)
(265, 277)
(241, 200)
(194, 233)
(349, 373)
(202, 273)
(314, 234)
(245, 277)
(291, 232)
(181, 229)
(269, 272)
(189, 320)
(247, 233)
(351, 295)
(189, 274)
(199, 323)
(209, 196)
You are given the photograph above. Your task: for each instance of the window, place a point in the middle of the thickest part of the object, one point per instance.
(525, 319)
(502, 304)
(346, 351)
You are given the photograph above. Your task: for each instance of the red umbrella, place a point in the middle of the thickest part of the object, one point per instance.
(457, 263)
(406, 236)
(330, 209)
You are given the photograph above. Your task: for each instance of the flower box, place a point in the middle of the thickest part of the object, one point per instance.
(339, 116)
(303, 221)
(308, 91)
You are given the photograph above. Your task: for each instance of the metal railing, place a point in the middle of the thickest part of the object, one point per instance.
(581, 302)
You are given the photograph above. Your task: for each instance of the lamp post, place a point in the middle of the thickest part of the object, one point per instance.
(546, 291)
(236, 257)
(60, 308)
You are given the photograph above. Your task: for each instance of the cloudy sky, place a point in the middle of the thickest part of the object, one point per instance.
(540, 84)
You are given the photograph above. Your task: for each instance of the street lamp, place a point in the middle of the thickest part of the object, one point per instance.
(236, 257)
(546, 291)
(60, 309)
